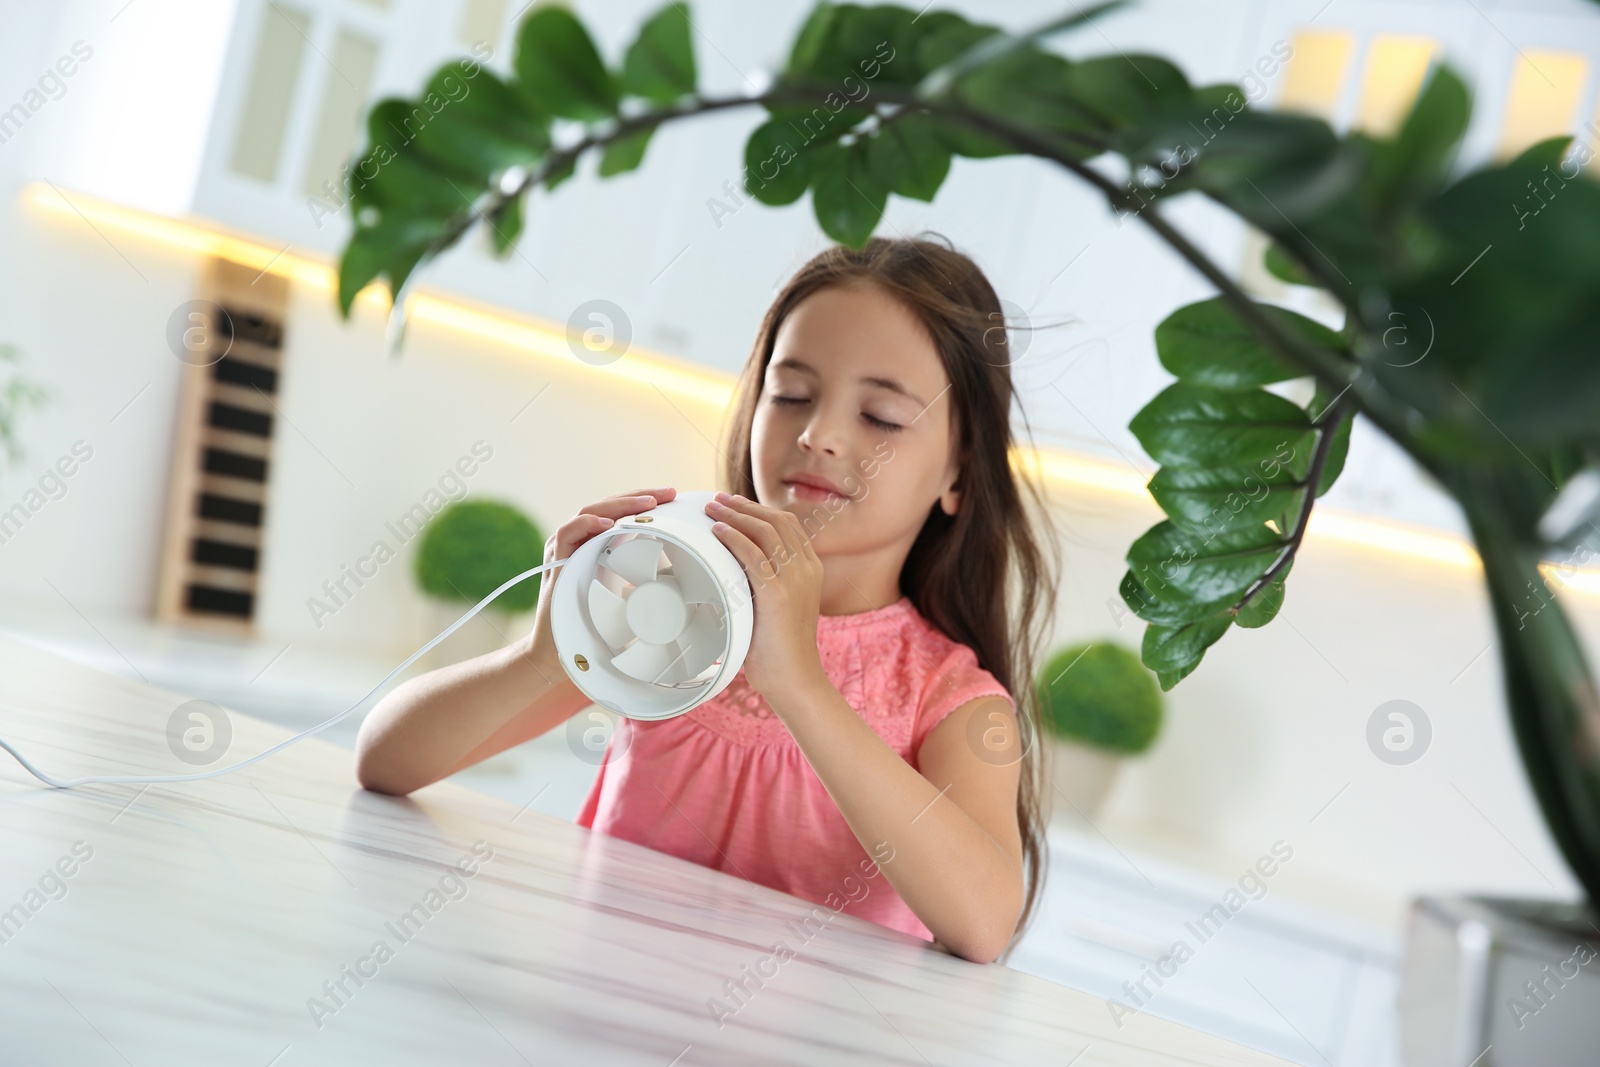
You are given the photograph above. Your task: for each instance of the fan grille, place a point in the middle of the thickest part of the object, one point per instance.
(659, 612)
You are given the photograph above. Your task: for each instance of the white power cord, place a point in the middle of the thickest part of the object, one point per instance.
(120, 778)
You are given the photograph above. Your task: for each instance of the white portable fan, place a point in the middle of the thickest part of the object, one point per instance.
(653, 616)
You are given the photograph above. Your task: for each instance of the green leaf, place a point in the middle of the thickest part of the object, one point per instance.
(396, 178)
(908, 157)
(841, 46)
(847, 198)
(387, 122)
(1260, 163)
(476, 123)
(1207, 344)
(811, 43)
(1225, 498)
(893, 34)
(945, 36)
(392, 248)
(1546, 153)
(1199, 426)
(1168, 679)
(625, 153)
(1178, 563)
(964, 140)
(1208, 98)
(559, 70)
(363, 259)
(1281, 266)
(1264, 606)
(1125, 91)
(1173, 652)
(660, 64)
(1417, 161)
(400, 268)
(560, 173)
(505, 224)
(1166, 608)
(1512, 309)
(776, 171)
(822, 122)
(977, 48)
(1340, 447)
(1032, 89)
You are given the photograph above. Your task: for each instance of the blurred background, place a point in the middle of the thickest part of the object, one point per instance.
(144, 141)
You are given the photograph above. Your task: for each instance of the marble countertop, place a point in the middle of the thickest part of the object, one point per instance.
(282, 916)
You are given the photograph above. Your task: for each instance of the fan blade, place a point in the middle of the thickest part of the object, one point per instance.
(609, 612)
(703, 640)
(635, 560)
(694, 581)
(651, 663)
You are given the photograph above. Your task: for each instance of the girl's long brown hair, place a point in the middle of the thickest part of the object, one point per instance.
(987, 575)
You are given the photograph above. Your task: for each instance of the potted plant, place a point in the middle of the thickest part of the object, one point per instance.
(466, 553)
(1466, 335)
(1099, 704)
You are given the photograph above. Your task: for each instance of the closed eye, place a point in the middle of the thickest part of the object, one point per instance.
(873, 420)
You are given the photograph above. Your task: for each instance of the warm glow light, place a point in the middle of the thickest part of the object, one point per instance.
(192, 237)
(1393, 537)
(1317, 72)
(1396, 65)
(715, 389)
(526, 334)
(1543, 99)
(1055, 465)
(1374, 534)
(1582, 580)
(542, 339)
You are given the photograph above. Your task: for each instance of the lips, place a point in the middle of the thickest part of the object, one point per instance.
(814, 486)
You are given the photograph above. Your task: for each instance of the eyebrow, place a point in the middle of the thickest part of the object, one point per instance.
(789, 363)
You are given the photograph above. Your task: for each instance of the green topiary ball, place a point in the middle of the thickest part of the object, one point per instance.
(1101, 694)
(475, 545)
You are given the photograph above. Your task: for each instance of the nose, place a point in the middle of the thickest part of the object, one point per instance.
(822, 433)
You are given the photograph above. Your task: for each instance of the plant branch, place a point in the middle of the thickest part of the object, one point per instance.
(1327, 425)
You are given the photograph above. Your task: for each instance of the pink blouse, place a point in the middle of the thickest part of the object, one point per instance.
(727, 787)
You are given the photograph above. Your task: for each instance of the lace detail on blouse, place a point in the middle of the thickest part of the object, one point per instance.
(878, 660)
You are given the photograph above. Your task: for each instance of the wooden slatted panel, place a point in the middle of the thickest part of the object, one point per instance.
(222, 454)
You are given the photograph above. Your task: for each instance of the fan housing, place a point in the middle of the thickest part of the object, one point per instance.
(653, 616)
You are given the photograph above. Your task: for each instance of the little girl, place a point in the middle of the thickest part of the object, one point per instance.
(884, 722)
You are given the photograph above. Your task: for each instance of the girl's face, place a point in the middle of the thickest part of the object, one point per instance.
(856, 399)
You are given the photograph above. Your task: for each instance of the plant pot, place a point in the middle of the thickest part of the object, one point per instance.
(1080, 776)
(1519, 976)
(484, 632)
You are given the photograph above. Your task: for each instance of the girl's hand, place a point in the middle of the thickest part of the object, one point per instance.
(786, 578)
(588, 522)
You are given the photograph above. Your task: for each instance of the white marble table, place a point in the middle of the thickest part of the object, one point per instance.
(195, 923)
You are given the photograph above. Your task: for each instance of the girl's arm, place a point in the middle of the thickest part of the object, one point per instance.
(438, 723)
(952, 828)
(432, 726)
